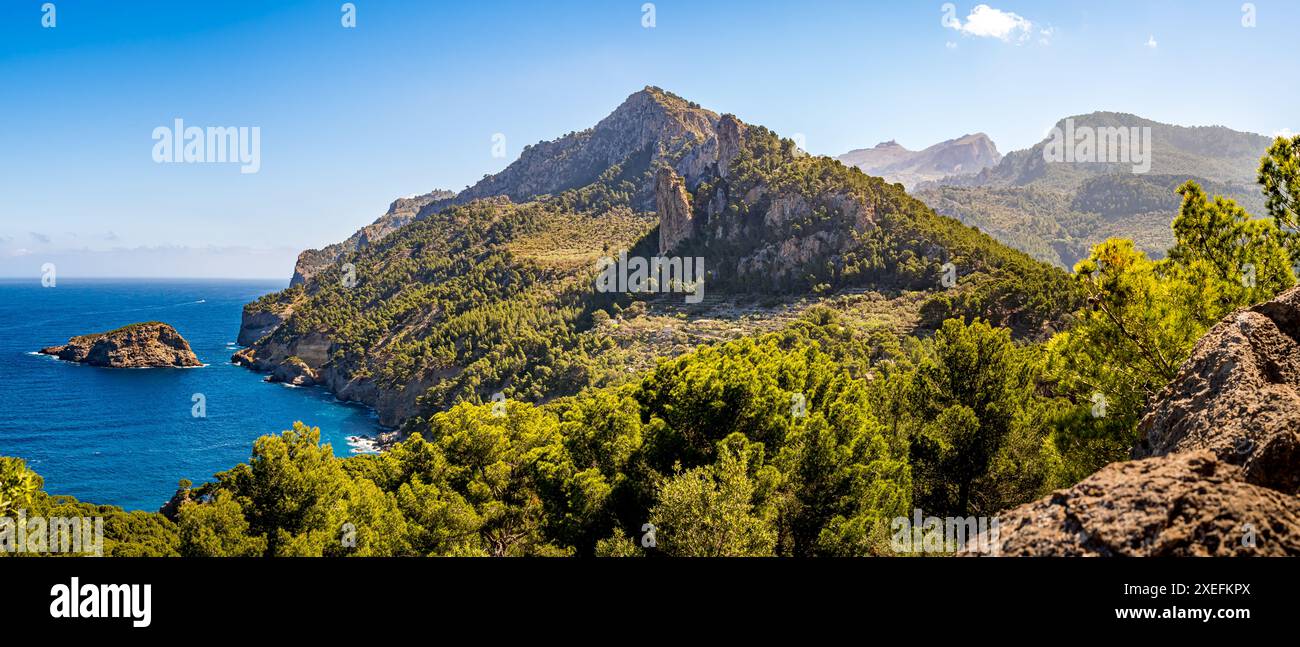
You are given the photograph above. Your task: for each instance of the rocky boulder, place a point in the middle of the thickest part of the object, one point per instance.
(1184, 505)
(1238, 396)
(144, 345)
(1218, 464)
(296, 372)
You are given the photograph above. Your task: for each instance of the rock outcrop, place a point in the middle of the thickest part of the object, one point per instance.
(1238, 396)
(1184, 505)
(144, 345)
(730, 132)
(1217, 469)
(400, 212)
(674, 208)
(295, 371)
(258, 322)
(172, 508)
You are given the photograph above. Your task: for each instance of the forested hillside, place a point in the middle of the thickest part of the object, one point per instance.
(805, 439)
(496, 295)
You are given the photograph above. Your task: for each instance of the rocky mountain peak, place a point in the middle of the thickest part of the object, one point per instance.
(651, 127)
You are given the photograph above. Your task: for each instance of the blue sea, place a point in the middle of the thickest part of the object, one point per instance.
(126, 436)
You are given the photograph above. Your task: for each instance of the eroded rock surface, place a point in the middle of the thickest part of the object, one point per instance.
(1217, 468)
(1188, 505)
(1238, 396)
(143, 345)
(674, 207)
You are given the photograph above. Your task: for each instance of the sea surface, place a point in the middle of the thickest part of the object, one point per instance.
(126, 436)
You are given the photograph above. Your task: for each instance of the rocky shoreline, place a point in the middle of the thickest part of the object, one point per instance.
(151, 344)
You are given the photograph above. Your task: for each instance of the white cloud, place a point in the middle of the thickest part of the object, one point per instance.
(986, 22)
(1285, 132)
(951, 45)
(1151, 42)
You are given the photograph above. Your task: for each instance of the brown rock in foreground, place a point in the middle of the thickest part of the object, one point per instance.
(144, 345)
(1238, 396)
(1219, 460)
(1184, 505)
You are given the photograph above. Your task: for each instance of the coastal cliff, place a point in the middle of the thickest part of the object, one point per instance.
(143, 345)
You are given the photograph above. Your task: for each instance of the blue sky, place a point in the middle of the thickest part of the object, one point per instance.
(409, 100)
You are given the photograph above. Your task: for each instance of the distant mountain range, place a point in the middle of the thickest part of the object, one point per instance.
(966, 155)
(1056, 211)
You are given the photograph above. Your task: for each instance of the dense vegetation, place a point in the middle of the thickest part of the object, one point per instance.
(1062, 226)
(905, 247)
(802, 442)
(489, 295)
(126, 534)
(493, 296)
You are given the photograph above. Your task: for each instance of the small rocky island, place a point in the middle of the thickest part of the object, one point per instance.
(151, 344)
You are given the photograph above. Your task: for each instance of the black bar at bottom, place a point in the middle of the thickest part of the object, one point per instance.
(662, 597)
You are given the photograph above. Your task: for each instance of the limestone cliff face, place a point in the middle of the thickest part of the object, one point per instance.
(257, 323)
(309, 361)
(1218, 467)
(143, 345)
(674, 208)
(730, 132)
(779, 247)
(786, 251)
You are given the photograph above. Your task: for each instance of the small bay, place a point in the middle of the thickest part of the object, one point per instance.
(126, 436)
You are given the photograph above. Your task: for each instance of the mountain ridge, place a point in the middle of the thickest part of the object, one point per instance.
(651, 122)
(470, 297)
(1057, 211)
(963, 155)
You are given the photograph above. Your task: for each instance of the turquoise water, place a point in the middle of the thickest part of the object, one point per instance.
(125, 436)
